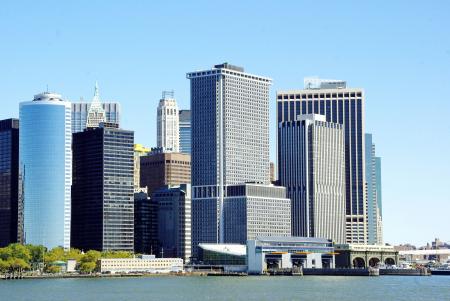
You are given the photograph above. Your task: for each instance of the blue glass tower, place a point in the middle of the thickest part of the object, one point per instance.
(185, 131)
(46, 169)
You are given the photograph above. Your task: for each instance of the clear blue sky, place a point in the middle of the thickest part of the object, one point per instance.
(398, 52)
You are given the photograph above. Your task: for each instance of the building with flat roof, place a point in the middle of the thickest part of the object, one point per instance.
(312, 168)
(364, 255)
(265, 254)
(139, 151)
(144, 264)
(174, 221)
(45, 143)
(102, 191)
(145, 224)
(10, 201)
(374, 200)
(249, 210)
(344, 106)
(185, 131)
(159, 169)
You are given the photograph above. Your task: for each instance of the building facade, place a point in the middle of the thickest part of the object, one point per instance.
(230, 140)
(312, 168)
(374, 201)
(139, 151)
(185, 131)
(159, 169)
(100, 112)
(10, 201)
(102, 191)
(142, 264)
(344, 106)
(174, 221)
(46, 169)
(249, 210)
(145, 224)
(167, 123)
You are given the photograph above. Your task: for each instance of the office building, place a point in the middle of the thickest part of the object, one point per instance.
(102, 191)
(45, 141)
(167, 124)
(185, 131)
(374, 206)
(159, 169)
(10, 203)
(145, 224)
(174, 221)
(249, 210)
(230, 141)
(100, 111)
(345, 106)
(312, 168)
(272, 173)
(139, 150)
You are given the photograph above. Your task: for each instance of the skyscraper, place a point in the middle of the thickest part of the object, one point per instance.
(46, 168)
(312, 168)
(174, 221)
(102, 191)
(139, 151)
(159, 169)
(374, 202)
(9, 182)
(145, 224)
(345, 106)
(100, 112)
(167, 125)
(230, 144)
(185, 131)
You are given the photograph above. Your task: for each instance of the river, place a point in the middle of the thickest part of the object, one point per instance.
(314, 288)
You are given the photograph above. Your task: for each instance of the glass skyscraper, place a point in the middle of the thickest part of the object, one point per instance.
(345, 106)
(46, 169)
(10, 206)
(185, 131)
(374, 206)
(103, 189)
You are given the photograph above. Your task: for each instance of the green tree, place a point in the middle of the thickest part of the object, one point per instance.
(36, 253)
(116, 254)
(87, 267)
(91, 256)
(21, 252)
(5, 253)
(18, 264)
(73, 254)
(55, 254)
(53, 269)
(4, 266)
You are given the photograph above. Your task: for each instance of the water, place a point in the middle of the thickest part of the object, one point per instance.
(315, 288)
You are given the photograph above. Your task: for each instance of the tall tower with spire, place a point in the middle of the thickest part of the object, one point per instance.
(96, 113)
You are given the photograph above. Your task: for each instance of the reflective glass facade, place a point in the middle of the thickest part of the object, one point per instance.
(9, 181)
(46, 165)
(80, 114)
(185, 131)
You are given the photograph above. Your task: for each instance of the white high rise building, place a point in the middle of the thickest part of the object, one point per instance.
(167, 126)
(230, 150)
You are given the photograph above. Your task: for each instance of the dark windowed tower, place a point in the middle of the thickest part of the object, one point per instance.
(340, 105)
(102, 191)
(9, 182)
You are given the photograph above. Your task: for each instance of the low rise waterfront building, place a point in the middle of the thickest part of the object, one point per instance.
(364, 256)
(281, 253)
(143, 264)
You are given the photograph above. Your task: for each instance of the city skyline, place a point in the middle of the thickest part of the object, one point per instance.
(389, 76)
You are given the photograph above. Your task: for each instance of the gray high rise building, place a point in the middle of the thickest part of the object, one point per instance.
(107, 111)
(10, 201)
(185, 131)
(103, 189)
(374, 201)
(174, 221)
(230, 145)
(312, 168)
(345, 106)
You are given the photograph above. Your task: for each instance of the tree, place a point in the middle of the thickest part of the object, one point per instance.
(73, 254)
(116, 254)
(36, 253)
(21, 252)
(55, 254)
(18, 264)
(87, 267)
(5, 253)
(4, 266)
(53, 269)
(91, 256)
